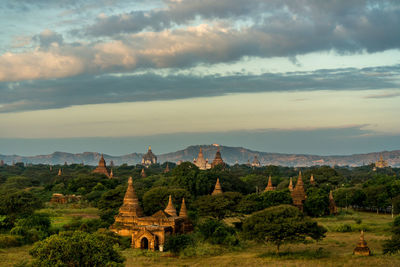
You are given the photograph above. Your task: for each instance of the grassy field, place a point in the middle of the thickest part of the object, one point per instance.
(335, 250)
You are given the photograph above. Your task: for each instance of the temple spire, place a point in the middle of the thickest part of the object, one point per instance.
(143, 174)
(312, 181)
(298, 193)
(362, 248)
(59, 172)
(290, 185)
(131, 205)
(170, 209)
(111, 174)
(183, 211)
(217, 189)
(269, 186)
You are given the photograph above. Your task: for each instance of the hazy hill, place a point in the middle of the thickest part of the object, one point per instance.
(231, 155)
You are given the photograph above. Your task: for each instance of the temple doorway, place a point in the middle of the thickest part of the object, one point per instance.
(144, 243)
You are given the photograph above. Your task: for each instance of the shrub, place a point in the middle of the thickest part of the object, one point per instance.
(77, 249)
(217, 232)
(343, 228)
(176, 243)
(7, 241)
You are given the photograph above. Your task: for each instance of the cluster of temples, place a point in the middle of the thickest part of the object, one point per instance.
(149, 232)
(203, 164)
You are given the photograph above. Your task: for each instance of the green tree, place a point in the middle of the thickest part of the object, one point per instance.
(19, 203)
(77, 249)
(281, 224)
(392, 245)
(317, 202)
(218, 206)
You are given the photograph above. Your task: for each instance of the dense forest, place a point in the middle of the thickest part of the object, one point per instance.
(26, 189)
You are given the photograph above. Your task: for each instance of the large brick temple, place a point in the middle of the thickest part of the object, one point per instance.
(149, 232)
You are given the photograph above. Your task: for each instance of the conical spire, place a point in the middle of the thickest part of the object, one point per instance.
(269, 186)
(130, 206)
(218, 159)
(170, 209)
(312, 181)
(298, 193)
(290, 185)
(183, 211)
(111, 174)
(59, 172)
(217, 189)
(332, 204)
(166, 169)
(143, 174)
(102, 162)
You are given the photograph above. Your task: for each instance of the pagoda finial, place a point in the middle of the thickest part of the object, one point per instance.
(312, 181)
(269, 186)
(290, 185)
(183, 211)
(217, 189)
(149, 148)
(170, 209)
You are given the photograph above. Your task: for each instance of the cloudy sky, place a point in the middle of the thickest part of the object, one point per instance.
(293, 76)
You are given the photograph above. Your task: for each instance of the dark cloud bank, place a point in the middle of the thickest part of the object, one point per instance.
(58, 93)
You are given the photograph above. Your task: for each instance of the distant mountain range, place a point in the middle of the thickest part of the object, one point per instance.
(231, 155)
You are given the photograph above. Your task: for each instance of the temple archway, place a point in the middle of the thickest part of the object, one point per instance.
(144, 243)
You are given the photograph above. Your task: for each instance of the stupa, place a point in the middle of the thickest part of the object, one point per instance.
(217, 188)
(362, 248)
(269, 186)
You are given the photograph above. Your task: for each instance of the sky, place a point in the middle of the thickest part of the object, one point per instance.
(114, 76)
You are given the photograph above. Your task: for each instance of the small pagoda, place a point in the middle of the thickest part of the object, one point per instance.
(59, 172)
(290, 185)
(170, 209)
(269, 186)
(332, 204)
(362, 248)
(217, 160)
(217, 189)
(166, 169)
(312, 181)
(102, 167)
(143, 174)
(298, 193)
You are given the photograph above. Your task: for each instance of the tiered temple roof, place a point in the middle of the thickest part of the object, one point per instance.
(256, 162)
(269, 186)
(362, 248)
(217, 160)
(200, 162)
(298, 193)
(130, 207)
(381, 163)
(217, 189)
(149, 158)
(102, 167)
